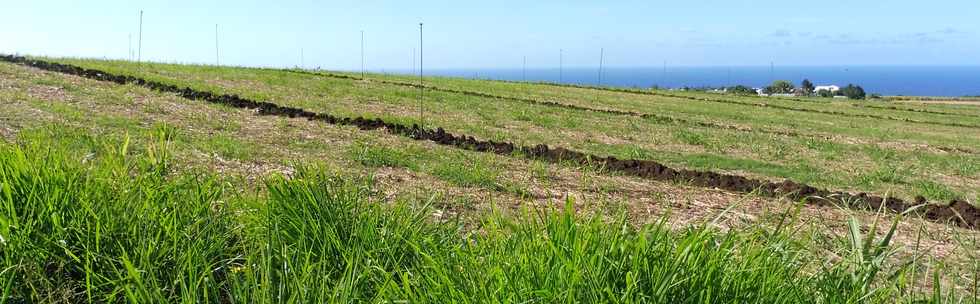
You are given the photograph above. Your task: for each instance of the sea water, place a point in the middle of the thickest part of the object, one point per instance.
(885, 80)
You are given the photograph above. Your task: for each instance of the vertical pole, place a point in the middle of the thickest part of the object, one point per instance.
(139, 54)
(601, 51)
(217, 54)
(362, 54)
(729, 81)
(524, 70)
(561, 59)
(421, 83)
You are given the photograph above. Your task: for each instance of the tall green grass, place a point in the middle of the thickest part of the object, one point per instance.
(117, 226)
(108, 227)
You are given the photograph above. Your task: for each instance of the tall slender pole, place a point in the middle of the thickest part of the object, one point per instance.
(217, 54)
(362, 54)
(139, 54)
(729, 80)
(524, 70)
(601, 51)
(421, 87)
(561, 60)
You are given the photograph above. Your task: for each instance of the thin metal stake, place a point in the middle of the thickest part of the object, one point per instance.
(524, 70)
(139, 54)
(421, 83)
(601, 53)
(561, 58)
(729, 81)
(217, 54)
(362, 54)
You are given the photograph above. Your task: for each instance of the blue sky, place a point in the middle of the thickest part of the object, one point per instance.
(500, 33)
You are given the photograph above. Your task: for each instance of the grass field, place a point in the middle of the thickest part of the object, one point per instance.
(146, 196)
(939, 162)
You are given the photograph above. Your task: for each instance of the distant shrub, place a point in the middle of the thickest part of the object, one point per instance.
(853, 92)
(779, 87)
(742, 90)
(807, 87)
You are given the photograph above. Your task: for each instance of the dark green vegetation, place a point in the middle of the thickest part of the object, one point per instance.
(853, 92)
(779, 87)
(742, 90)
(807, 87)
(118, 225)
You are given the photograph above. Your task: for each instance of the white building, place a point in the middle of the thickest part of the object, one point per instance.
(831, 88)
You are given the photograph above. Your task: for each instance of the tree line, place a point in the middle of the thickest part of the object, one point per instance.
(807, 89)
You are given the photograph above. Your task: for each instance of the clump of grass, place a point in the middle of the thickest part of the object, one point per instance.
(635, 152)
(884, 174)
(935, 191)
(691, 138)
(227, 146)
(323, 231)
(166, 132)
(117, 228)
(379, 156)
(321, 241)
(829, 150)
(470, 173)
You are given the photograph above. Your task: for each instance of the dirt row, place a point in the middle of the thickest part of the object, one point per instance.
(659, 118)
(957, 212)
(766, 105)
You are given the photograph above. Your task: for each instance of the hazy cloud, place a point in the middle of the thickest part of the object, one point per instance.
(780, 34)
(950, 31)
(927, 37)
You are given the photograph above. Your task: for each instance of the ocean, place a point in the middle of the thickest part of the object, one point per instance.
(884, 80)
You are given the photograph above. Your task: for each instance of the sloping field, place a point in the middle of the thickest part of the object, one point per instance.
(447, 178)
(825, 144)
